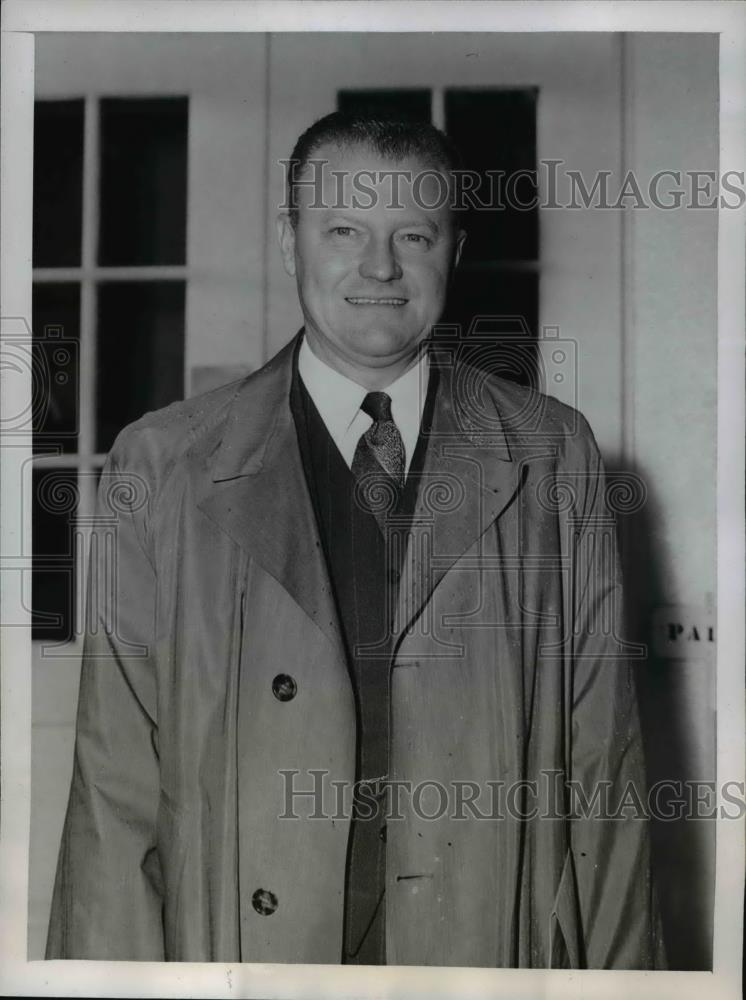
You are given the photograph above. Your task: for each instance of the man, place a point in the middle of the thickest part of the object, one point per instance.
(368, 568)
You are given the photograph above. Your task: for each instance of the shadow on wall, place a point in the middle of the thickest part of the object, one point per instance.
(683, 848)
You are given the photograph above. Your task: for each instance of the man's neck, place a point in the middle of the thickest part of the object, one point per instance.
(372, 379)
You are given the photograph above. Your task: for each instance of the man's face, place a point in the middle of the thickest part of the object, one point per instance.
(372, 280)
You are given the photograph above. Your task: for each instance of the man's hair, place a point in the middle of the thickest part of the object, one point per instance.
(391, 137)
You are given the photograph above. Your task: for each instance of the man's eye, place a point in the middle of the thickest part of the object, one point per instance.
(342, 230)
(416, 239)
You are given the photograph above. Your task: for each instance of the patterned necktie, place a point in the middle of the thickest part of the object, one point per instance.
(378, 463)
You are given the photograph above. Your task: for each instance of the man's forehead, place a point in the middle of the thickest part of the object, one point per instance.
(341, 176)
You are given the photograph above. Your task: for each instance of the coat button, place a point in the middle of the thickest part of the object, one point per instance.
(264, 902)
(284, 687)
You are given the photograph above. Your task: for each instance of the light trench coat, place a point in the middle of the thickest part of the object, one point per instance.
(208, 580)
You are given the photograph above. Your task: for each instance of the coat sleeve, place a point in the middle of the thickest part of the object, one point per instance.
(617, 913)
(106, 901)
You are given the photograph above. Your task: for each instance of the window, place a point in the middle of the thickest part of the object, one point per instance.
(410, 103)
(109, 270)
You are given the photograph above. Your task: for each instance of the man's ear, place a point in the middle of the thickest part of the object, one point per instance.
(286, 238)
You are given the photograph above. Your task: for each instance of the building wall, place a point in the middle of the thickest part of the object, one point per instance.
(670, 352)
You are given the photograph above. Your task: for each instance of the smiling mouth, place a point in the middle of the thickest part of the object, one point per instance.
(368, 300)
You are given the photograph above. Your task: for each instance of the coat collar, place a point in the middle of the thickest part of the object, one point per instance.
(258, 494)
(469, 477)
(259, 414)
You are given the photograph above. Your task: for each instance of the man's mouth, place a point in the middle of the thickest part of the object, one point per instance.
(369, 300)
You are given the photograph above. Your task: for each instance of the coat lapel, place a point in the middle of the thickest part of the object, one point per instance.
(258, 493)
(469, 477)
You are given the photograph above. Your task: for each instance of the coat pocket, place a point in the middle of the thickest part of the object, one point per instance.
(565, 927)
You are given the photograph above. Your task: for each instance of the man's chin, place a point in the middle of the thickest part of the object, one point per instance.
(369, 345)
(382, 345)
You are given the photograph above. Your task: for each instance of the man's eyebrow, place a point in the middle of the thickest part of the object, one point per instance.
(343, 214)
(421, 223)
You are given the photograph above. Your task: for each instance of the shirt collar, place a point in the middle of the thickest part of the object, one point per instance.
(338, 398)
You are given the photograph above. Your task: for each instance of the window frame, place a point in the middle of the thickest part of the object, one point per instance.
(86, 460)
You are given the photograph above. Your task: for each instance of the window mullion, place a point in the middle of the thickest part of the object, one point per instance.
(140, 272)
(87, 376)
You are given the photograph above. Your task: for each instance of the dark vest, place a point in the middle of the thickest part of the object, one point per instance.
(364, 568)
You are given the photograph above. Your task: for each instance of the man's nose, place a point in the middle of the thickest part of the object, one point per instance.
(380, 262)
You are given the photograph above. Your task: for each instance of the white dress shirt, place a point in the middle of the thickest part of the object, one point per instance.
(338, 399)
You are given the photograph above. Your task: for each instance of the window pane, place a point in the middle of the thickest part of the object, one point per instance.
(498, 311)
(143, 181)
(495, 130)
(58, 183)
(140, 352)
(414, 104)
(54, 504)
(56, 324)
